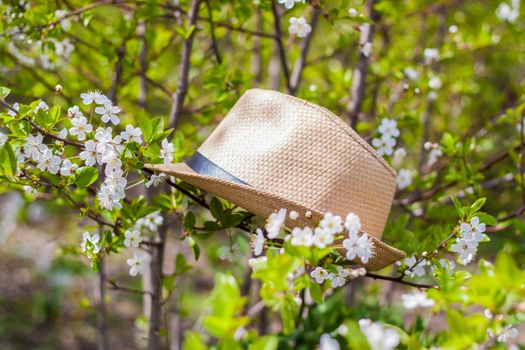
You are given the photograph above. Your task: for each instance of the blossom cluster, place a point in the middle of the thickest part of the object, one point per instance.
(470, 235)
(330, 229)
(101, 148)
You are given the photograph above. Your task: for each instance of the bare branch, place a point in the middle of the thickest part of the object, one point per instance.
(295, 80)
(357, 91)
(214, 45)
(115, 286)
(401, 281)
(182, 89)
(280, 46)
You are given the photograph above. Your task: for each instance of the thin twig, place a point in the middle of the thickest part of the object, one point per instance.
(280, 46)
(401, 281)
(357, 91)
(214, 45)
(115, 286)
(182, 89)
(295, 80)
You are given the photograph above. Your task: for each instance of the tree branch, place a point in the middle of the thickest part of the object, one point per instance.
(280, 46)
(295, 80)
(401, 281)
(182, 89)
(214, 45)
(357, 91)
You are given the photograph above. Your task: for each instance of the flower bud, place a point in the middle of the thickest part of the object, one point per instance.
(58, 89)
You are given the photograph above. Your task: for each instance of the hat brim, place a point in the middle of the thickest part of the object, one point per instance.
(263, 203)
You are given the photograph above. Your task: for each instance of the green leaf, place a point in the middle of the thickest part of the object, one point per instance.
(193, 341)
(4, 92)
(233, 220)
(8, 160)
(54, 116)
(189, 220)
(316, 292)
(180, 265)
(457, 205)
(85, 176)
(196, 250)
(216, 209)
(212, 226)
(487, 219)
(146, 126)
(477, 205)
(268, 342)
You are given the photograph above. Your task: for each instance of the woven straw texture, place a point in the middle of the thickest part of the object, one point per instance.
(299, 156)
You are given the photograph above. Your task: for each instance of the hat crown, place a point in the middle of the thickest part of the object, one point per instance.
(303, 152)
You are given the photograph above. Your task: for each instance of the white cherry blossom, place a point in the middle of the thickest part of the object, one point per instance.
(323, 237)
(302, 237)
(151, 221)
(416, 300)
(332, 223)
(289, 3)
(404, 178)
(431, 55)
(274, 223)
(435, 83)
(293, 215)
(509, 332)
(12, 113)
(378, 336)
(299, 27)
(358, 246)
(67, 167)
(399, 155)
(415, 270)
(155, 180)
(388, 127)
(466, 250)
(132, 238)
(93, 96)
(80, 127)
(411, 73)
(138, 263)
(472, 231)
(338, 278)
(353, 223)
(132, 134)
(108, 112)
(352, 12)
(328, 343)
(30, 190)
(90, 155)
(384, 145)
(166, 152)
(41, 106)
(33, 147)
(319, 274)
(508, 13)
(258, 241)
(49, 162)
(90, 242)
(74, 112)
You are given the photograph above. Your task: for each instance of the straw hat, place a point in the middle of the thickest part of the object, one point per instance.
(276, 151)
